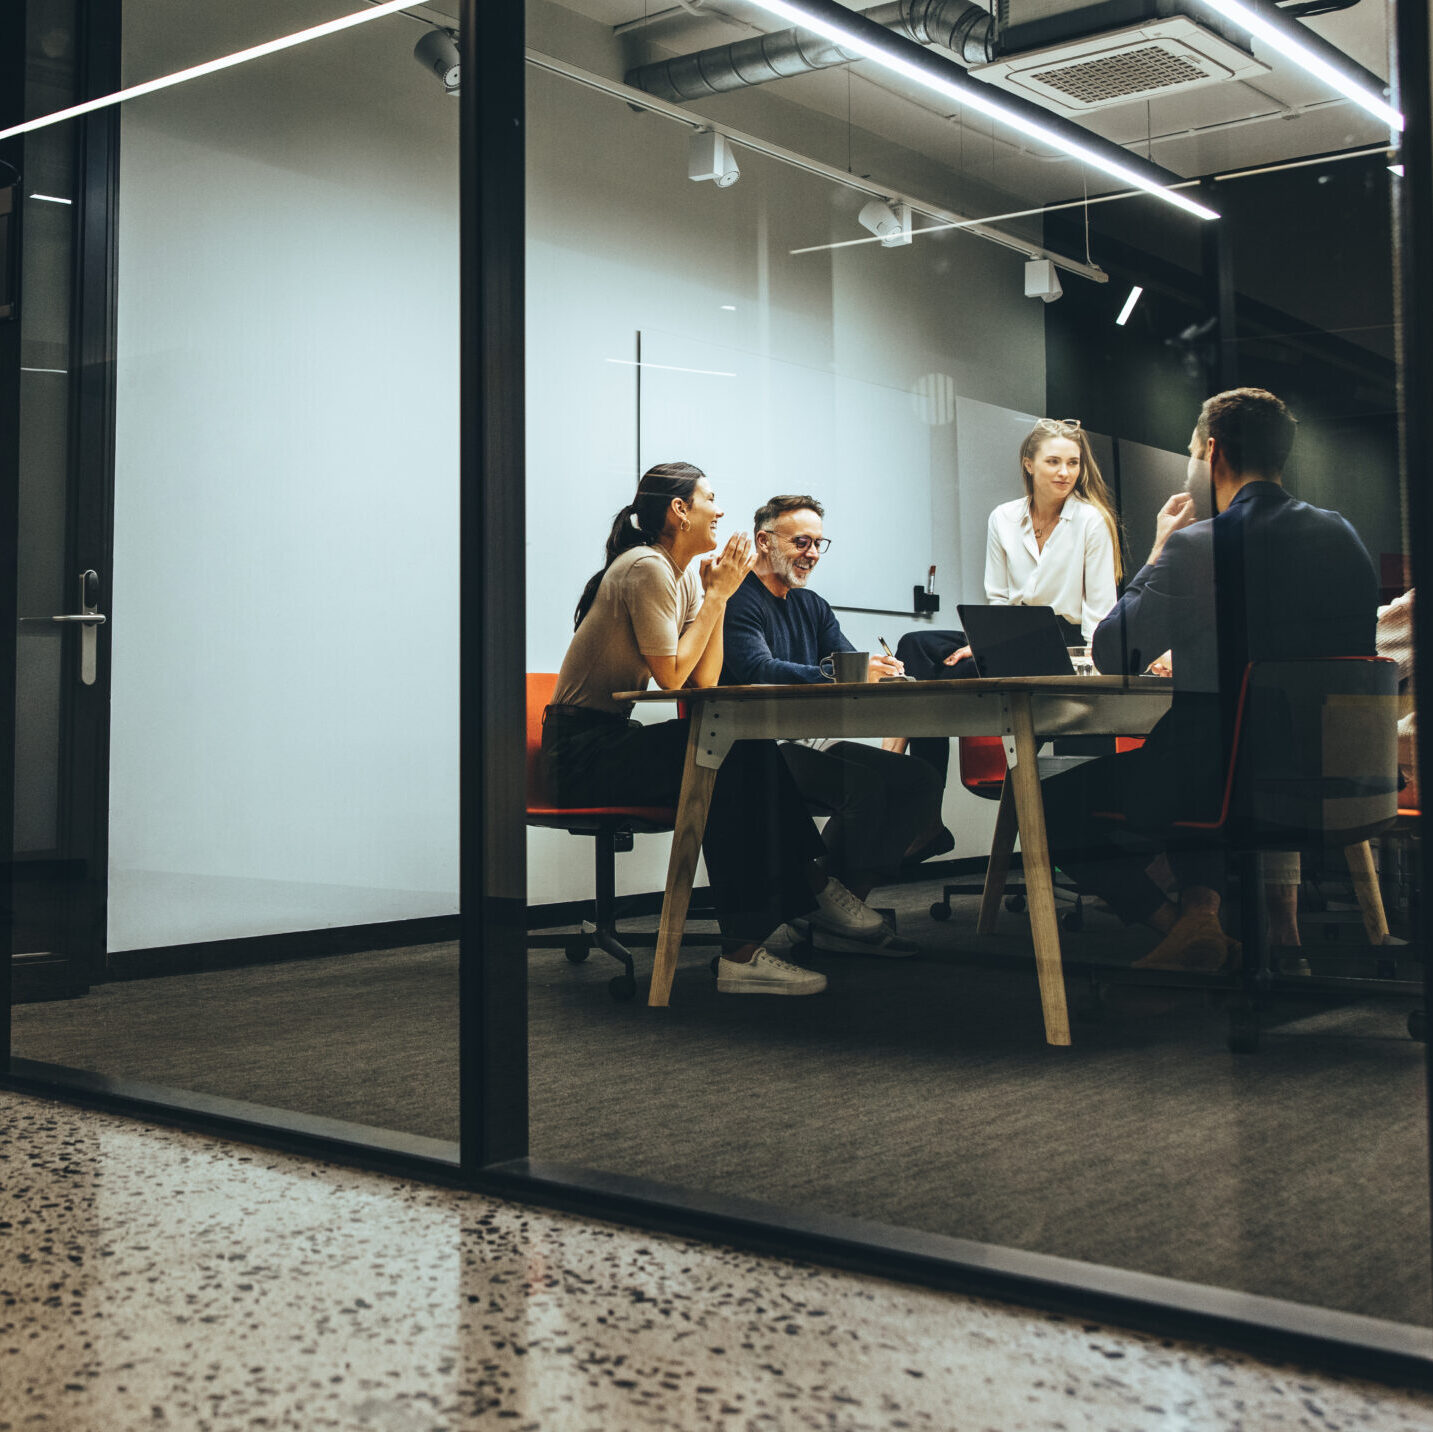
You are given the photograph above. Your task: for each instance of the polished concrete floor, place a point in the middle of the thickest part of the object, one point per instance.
(159, 1279)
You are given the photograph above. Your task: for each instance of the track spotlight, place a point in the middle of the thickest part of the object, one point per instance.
(1130, 302)
(1041, 280)
(438, 51)
(710, 156)
(890, 224)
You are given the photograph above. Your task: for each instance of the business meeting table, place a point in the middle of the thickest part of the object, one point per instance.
(1023, 711)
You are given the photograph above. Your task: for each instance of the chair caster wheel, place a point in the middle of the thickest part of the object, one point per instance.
(1015, 904)
(1243, 1029)
(1418, 1025)
(577, 949)
(622, 987)
(940, 911)
(1073, 921)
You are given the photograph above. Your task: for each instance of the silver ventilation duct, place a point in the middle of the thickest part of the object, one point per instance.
(960, 26)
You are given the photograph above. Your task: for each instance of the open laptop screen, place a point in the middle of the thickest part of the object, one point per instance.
(1015, 641)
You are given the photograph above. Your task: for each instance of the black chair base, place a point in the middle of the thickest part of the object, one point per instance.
(601, 931)
(1015, 902)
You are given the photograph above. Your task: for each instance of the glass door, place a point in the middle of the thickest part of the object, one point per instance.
(62, 559)
(237, 747)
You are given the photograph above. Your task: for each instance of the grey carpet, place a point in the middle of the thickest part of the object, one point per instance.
(917, 1093)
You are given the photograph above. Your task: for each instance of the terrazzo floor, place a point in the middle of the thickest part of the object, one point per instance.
(159, 1279)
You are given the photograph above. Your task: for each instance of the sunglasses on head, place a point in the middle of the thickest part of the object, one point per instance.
(1062, 427)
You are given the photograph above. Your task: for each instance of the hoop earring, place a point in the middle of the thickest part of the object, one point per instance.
(686, 526)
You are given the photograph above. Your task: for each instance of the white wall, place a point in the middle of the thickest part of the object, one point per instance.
(284, 738)
(621, 242)
(284, 750)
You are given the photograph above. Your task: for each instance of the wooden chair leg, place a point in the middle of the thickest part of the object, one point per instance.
(1370, 897)
(997, 868)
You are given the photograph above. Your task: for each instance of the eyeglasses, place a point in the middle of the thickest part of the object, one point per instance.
(1062, 427)
(803, 543)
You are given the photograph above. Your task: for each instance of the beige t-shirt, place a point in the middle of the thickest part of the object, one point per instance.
(643, 605)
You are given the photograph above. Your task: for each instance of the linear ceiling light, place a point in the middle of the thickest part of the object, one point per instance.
(1130, 302)
(52, 198)
(194, 72)
(890, 52)
(1278, 39)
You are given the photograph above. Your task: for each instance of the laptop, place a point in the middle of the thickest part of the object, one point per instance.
(1016, 641)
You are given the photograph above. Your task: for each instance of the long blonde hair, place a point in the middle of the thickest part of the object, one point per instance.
(1090, 485)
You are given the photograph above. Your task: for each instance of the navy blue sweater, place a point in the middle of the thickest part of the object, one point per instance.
(777, 641)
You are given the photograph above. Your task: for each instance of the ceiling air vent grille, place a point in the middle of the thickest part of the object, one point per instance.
(1107, 79)
(1161, 57)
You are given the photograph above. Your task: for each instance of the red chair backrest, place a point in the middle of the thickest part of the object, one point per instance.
(982, 764)
(540, 686)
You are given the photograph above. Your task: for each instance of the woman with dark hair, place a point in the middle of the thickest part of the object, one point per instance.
(649, 613)
(1058, 546)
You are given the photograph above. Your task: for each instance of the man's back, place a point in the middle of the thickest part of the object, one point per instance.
(1269, 578)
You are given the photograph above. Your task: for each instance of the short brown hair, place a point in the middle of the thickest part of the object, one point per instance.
(775, 507)
(1253, 428)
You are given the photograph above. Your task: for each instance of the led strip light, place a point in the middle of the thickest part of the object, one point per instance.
(1278, 39)
(968, 94)
(209, 67)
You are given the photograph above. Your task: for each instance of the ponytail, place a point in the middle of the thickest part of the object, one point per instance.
(643, 520)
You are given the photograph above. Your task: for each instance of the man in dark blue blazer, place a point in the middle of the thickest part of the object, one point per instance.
(1266, 578)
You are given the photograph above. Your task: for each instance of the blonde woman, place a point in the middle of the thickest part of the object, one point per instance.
(1058, 546)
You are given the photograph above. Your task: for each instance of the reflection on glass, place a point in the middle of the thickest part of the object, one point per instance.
(1004, 481)
(280, 655)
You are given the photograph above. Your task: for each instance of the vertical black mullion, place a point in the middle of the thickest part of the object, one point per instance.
(91, 474)
(1218, 246)
(12, 152)
(1415, 276)
(493, 881)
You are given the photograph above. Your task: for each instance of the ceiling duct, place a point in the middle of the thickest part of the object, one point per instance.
(960, 26)
(1071, 56)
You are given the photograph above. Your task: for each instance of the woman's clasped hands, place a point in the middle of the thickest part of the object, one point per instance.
(723, 574)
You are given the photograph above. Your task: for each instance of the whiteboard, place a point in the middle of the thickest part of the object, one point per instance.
(758, 426)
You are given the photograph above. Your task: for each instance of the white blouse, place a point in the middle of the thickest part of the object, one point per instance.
(1075, 573)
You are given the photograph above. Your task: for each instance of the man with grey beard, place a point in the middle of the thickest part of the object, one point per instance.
(777, 632)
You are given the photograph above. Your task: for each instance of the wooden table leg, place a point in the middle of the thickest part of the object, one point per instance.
(692, 807)
(997, 868)
(1039, 882)
(1370, 897)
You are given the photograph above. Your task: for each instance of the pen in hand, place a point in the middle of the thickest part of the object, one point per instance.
(901, 676)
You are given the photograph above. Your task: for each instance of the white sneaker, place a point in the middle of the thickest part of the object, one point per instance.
(765, 974)
(838, 912)
(887, 944)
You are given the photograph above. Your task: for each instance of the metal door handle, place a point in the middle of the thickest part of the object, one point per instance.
(87, 619)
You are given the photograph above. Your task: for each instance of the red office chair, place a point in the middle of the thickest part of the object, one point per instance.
(1313, 764)
(612, 828)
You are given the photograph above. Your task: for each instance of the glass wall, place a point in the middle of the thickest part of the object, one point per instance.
(255, 775)
(844, 287)
(1098, 938)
